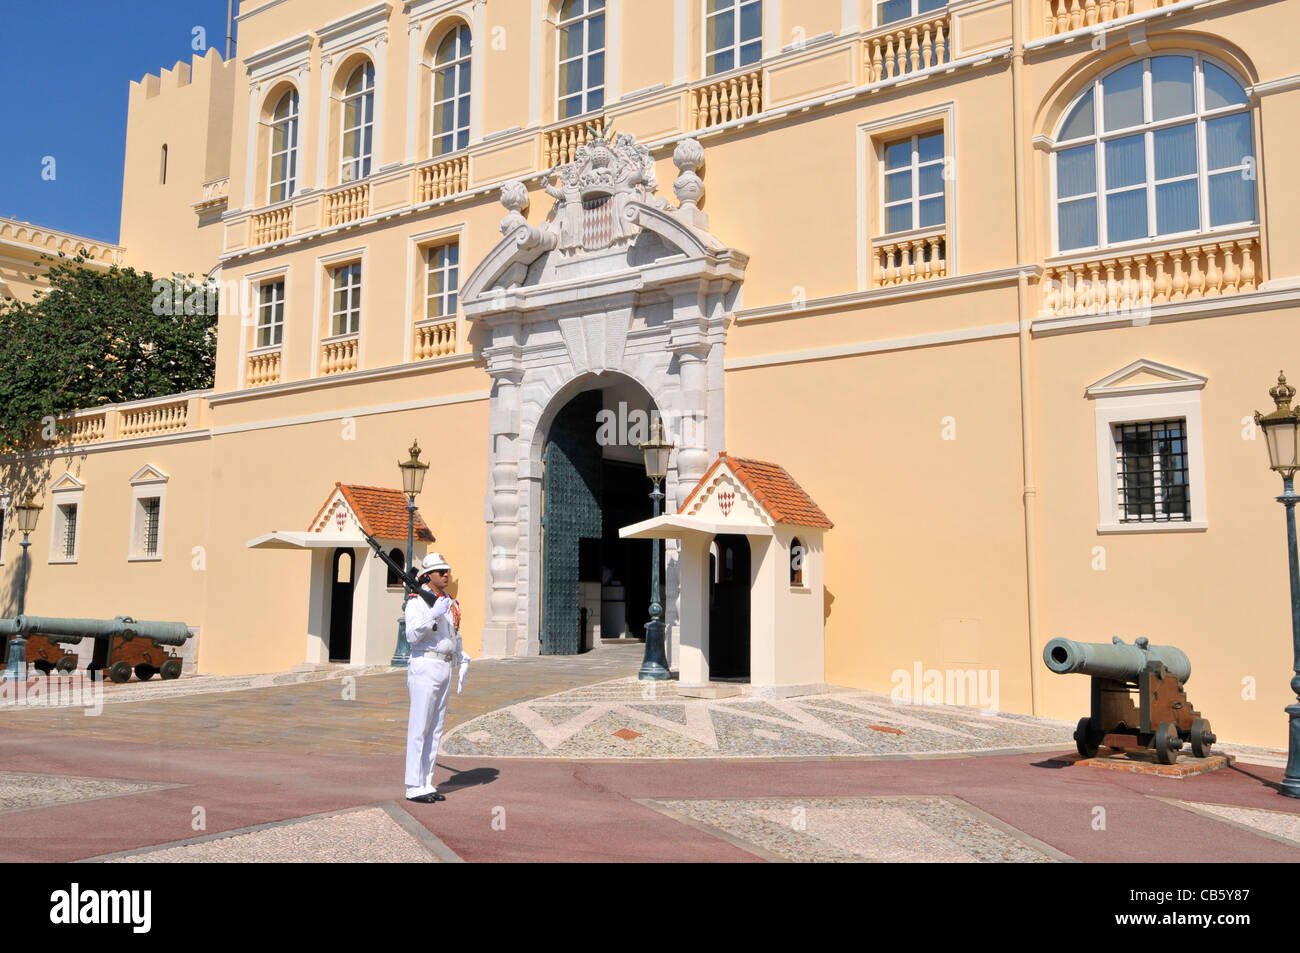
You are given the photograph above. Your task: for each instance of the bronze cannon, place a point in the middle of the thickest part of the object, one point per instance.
(1154, 676)
(122, 644)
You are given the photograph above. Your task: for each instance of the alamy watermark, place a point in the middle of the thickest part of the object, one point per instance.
(961, 687)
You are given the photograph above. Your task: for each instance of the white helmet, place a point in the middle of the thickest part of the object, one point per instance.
(432, 562)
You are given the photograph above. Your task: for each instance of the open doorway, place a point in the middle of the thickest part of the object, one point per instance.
(342, 587)
(729, 585)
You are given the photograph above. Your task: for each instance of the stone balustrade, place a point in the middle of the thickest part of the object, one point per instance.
(155, 419)
(1124, 281)
(272, 226)
(263, 368)
(347, 204)
(338, 355)
(733, 97)
(1066, 15)
(561, 145)
(907, 48)
(908, 257)
(81, 429)
(441, 179)
(435, 338)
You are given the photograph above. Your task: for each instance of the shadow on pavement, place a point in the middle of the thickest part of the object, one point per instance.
(468, 779)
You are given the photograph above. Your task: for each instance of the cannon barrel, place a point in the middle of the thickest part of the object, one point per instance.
(14, 626)
(74, 630)
(1116, 661)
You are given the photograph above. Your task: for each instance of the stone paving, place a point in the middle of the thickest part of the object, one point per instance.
(624, 718)
(874, 829)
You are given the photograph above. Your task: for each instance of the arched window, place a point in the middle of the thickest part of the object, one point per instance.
(394, 580)
(358, 123)
(451, 92)
(284, 147)
(1159, 147)
(733, 34)
(580, 30)
(797, 556)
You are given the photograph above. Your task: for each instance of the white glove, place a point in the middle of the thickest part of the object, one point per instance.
(464, 668)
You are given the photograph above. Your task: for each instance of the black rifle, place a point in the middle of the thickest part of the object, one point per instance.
(412, 584)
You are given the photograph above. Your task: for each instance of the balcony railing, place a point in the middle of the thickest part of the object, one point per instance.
(153, 420)
(1128, 280)
(263, 368)
(441, 179)
(142, 418)
(561, 145)
(732, 97)
(347, 205)
(1066, 15)
(909, 256)
(435, 338)
(908, 47)
(338, 355)
(272, 226)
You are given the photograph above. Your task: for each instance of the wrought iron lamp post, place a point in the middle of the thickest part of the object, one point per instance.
(413, 473)
(655, 665)
(26, 514)
(1282, 435)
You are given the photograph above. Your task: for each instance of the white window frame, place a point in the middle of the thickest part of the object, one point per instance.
(273, 325)
(335, 272)
(1198, 118)
(737, 41)
(1115, 403)
(294, 121)
(353, 168)
(585, 90)
(429, 252)
(148, 483)
(67, 490)
(916, 166)
(460, 123)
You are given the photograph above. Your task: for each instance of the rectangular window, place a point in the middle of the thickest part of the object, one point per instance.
(581, 51)
(68, 549)
(1152, 471)
(151, 509)
(890, 11)
(270, 315)
(913, 188)
(443, 281)
(733, 34)
(345, 312)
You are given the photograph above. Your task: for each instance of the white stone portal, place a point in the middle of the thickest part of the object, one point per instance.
(614, 282)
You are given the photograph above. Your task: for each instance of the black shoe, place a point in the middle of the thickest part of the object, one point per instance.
(428, 798)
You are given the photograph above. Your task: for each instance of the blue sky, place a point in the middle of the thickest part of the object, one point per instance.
(66, 69)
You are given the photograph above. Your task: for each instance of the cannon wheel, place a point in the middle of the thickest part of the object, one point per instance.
(145, 672)
(120, 671)
(171, 668)
(67, 664)
(1167, 743)
(1083, 741)
(1202, 737)
(42, 666)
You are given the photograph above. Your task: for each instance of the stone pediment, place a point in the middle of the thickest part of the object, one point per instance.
(1145, 376)
(606, 232)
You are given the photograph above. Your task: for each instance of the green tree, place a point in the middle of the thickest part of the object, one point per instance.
(100, 336)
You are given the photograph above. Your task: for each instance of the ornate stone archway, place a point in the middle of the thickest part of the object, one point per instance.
(615, 280)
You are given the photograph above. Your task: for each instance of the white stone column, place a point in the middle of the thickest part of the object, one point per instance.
(478, 71)
(681, 40)
(614, 47)
(499, 633)
(250, 169)
(413, 66)
(322, 135)
(381, 81)
(537, 16)
(849, 16)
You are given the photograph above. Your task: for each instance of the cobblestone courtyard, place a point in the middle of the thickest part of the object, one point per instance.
(573, 759)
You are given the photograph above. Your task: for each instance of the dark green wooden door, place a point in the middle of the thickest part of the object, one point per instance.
(572, 489)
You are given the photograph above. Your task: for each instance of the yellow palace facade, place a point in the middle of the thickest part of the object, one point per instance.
(998, 284)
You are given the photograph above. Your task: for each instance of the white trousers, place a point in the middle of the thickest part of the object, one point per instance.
(428, 679)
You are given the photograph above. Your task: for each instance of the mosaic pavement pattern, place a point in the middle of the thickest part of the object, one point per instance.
(625, 718)
(860, 830)
(24, 792)
(376, 835)
(1278, 825)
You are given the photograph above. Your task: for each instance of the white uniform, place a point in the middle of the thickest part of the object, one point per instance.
(432, 635)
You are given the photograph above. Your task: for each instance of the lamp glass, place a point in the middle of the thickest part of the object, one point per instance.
(26, 513)
(656, 451)
(413, 472)
(1283, 437)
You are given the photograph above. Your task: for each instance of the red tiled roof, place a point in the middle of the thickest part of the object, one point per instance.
(775, 490)
(382, 512)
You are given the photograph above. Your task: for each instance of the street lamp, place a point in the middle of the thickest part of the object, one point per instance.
(1282, 435)
(25, 513)
(413, 473)
(656, 451)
